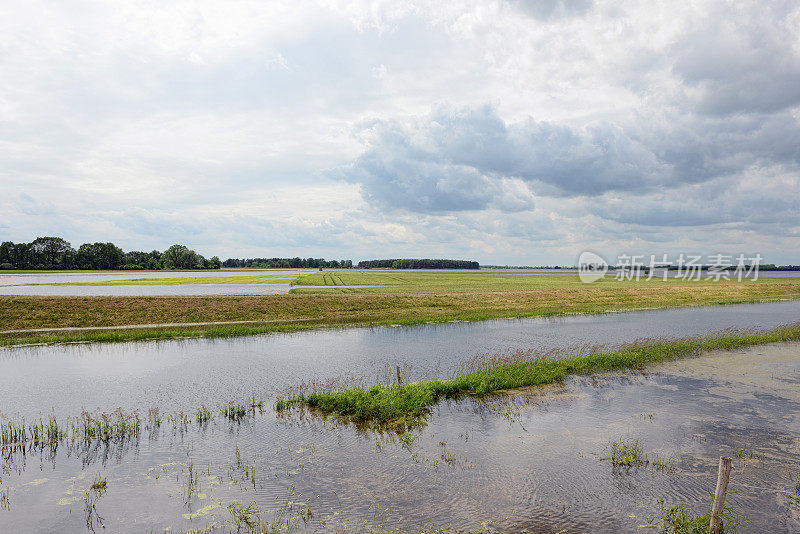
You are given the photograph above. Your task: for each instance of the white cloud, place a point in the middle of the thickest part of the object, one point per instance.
(509, 131)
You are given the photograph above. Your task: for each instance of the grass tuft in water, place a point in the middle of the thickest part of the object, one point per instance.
(234, 411)
(795, 497)
(244, 516)
(747, 453)
(663, 463)
(5, 499)
(677, 519)
(90, 497)
(88, 427)
(203, 415)
(627, 453)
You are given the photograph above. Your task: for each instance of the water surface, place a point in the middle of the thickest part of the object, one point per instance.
(181, 374)
(534, 461)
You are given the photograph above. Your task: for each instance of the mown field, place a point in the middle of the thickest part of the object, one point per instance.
(404, 282)
(401, 298)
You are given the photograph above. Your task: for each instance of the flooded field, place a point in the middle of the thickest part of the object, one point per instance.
(148, 290)
(38, 283)
(8, 278)
(535, 459)
(181, 375)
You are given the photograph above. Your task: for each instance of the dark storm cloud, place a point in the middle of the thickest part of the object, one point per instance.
(456, 160)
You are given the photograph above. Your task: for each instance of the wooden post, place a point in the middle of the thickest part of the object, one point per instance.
(725, 466)
(399, 379)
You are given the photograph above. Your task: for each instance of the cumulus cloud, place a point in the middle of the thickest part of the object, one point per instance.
(510, 131)
(432, 166)
(711, 176)
(469, 159)
(465, 159)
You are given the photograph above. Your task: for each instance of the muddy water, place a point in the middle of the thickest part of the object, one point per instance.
(533, 459)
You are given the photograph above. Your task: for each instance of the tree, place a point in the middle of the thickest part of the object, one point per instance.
(99, 256)
(154, 260)
(21, 256)
(52, 252)
(56, 253)
(6, 249)
(177, 257)
(180, 257)
(418, 264)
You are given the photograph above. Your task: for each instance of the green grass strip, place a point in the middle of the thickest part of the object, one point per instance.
(406, 404)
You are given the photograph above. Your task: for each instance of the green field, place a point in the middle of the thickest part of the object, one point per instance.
(398, 298)
(403, 282)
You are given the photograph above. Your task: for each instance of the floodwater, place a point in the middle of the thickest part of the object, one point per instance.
(151, 290)
(8, 278)
(531, 460)
(181, 375)
(27, 284)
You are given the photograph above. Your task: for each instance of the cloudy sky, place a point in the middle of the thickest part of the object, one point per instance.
(508, 131)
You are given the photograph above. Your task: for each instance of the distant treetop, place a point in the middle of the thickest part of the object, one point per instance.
(283, 263)
(418, 264)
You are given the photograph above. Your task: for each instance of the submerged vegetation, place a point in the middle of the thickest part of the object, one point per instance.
(627, 453)
(678, 519)
(253, 512)
(795, 495)
(90, 497)
(403, 405)
(87, 427)
(116, 426)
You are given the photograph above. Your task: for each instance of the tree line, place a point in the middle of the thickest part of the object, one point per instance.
(46, 253)
(418, 264)
(56, 253)
(282, 263)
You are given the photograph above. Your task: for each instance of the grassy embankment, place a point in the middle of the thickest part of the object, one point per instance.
(402, 297)
(403, 405)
